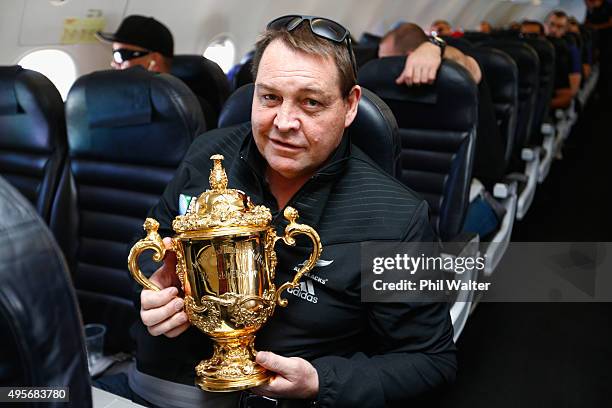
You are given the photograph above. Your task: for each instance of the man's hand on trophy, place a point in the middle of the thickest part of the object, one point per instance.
(162, 312)
(295, 377)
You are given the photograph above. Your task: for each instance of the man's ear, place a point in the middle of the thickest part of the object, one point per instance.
(353, 104)
(155, 62)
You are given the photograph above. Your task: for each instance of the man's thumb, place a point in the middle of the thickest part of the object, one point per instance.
(271, 361)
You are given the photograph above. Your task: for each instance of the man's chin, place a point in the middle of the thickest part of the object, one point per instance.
(289, 171)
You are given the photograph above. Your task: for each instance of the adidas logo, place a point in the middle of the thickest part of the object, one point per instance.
(305, 291)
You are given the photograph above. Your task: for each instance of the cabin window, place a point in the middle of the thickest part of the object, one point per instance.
(223, 51)
(56, 65)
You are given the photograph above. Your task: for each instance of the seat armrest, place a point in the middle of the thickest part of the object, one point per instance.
(504, 190)
(529, 154)
(475, 189)
(547, 129)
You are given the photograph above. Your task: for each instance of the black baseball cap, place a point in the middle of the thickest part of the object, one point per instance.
(145, 32)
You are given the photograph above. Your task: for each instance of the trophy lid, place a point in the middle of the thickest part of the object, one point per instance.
(221, 207)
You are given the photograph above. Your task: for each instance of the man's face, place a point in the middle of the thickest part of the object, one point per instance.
(441, 29)
(556, 26)
(298, 114)
(146, 61)
(573, 28)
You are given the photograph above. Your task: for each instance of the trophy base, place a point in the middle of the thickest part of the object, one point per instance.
(232, 366)
(217, 385)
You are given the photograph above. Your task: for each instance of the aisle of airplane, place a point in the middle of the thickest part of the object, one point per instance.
(92, 149)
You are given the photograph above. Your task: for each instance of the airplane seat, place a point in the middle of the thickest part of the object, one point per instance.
(476, 37)
(462, 44)
(127, 133)
(364, 53)
(243, 76)
(525, 160)
(501, 74)
(373, 118)
(546, 54)
(240, 74)
(42, 341)
(32, 135)
(437, 127)
(207, 80)
(369, 40)
(437, 149)
(542, 133)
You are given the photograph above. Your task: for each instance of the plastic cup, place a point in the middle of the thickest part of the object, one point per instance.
(94, 342)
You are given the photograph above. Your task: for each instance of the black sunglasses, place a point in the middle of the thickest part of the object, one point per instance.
(122, 54)
(321, 27)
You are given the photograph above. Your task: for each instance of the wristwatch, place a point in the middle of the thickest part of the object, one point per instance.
(435, 40)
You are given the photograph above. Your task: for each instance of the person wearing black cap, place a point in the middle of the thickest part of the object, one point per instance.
(141, 40)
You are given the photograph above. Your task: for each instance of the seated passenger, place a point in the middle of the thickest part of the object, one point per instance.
(422, 64)
(485, 27)
(143, 41)
(421, 67)
(556, 27)
(294, 151)
(441, 28)
(532, 27)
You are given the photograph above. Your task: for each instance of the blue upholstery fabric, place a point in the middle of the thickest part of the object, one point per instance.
(437, 126)
(42, 340)
(32, 135)
(116, 172)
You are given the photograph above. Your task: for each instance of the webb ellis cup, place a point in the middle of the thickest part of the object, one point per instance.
(225, 261)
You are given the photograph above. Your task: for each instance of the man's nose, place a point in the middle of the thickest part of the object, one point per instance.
(286, 118)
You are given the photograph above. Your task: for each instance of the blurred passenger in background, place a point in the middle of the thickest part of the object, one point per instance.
(143, 41)
(410, 39)
(441, 28)
(533, 27)
(568, 59)
(514, 26)
(485, 27)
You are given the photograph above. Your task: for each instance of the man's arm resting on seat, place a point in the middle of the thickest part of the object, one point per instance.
(562, 98)
(574, 80)
(422, 64)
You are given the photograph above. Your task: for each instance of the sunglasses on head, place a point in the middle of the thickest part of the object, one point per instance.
(319, 26)
(122, 54)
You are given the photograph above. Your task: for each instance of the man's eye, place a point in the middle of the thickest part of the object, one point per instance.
(270, 97)
(312, 103)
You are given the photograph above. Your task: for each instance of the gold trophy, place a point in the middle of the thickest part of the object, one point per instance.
(225, 261)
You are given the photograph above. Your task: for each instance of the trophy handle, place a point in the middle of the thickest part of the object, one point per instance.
(292, 230)
(152, 241)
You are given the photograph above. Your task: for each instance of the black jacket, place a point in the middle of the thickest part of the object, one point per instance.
(366, 354)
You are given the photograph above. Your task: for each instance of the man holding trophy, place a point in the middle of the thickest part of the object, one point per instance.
(327, 347)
